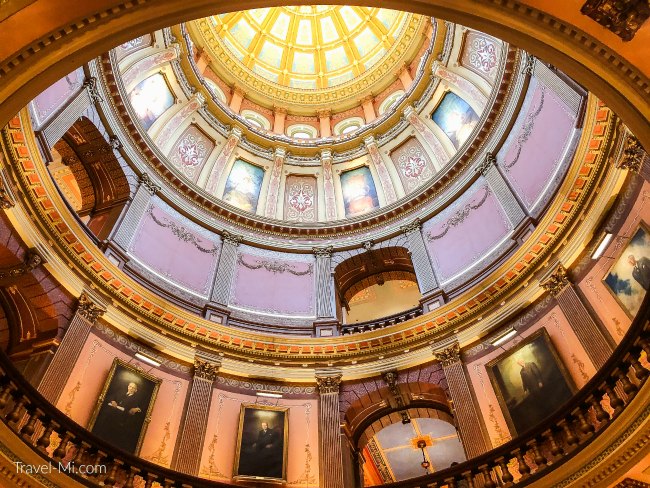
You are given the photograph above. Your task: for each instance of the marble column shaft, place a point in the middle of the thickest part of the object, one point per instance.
(420, 257)
(225, 269)
(329, 428)
(468, 417)
(195, 421)
(65, 358)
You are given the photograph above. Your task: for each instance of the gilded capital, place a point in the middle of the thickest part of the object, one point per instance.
(206, 369)
(633, 155)
(409, 228)
(88, 309)
(557, 282)
(449, 355)
(230, 238)
(328, 383)
(147, 182)
(488, 162)
(323, 252)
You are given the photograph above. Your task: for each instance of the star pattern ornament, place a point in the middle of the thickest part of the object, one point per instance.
(301, 199)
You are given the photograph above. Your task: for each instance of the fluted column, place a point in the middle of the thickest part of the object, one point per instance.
(590, 335)
(419, 257)
(274, 182)
(324, 282)
(328, 185)
(226, 268)
(503, 192)
(467, 415)
(329, 428)
(220, 163)
(380, 167)
(195, 421)
(64, 360)
(441, 156)
(124, 232)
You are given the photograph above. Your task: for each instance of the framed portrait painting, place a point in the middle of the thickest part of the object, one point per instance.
(243, 185)
(359, 192)
(262, 443)
(629, 277)
(530, 382)
(123, 409)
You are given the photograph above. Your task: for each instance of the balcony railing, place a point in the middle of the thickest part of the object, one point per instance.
(520, 461)
(397, 318)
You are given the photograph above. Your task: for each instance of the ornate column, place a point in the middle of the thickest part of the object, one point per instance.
(497, 183)
(382, 170)
(415, 244)
(329, 427)
(467, 415)
(274, 182)
(325, 122)
(165, 138)
(635, 158)
(368, 109)
(64, 360)
(279, 119)
(124, 231)
(441, 156)
(220, 163)
(328, 185)
(326, 321)
(225, 269)
(195, 420)
(236, 99)
(405, 78)
(596, 344)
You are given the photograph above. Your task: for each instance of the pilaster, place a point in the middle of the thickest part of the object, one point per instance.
(274, 183)
(467, 415)
(425, 132)
(225, 269)
(330, 454)
(64, 360)
(420, 258)
(328, 185)
(380, 167)
(590, 335)
(195, 421)
(220, 163)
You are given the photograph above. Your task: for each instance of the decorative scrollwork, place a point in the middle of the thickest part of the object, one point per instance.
(622, 18)
(526, 130)
(206, 369)
(633, 155)
(328, 383)
(414, 226)
(181, 232)
(88, 309)
(449, 355)
(275, 267)
(488, 162)
(557, 282)
(90, 84)
(147, 182)
(460, 216)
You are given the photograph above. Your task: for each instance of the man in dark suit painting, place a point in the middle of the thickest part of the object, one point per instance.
(120, 419)
(268, 448)
(531, 377)
(641, 271)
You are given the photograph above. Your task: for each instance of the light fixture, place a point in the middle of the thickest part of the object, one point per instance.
(604, 242)
(268, 394)
(405, 418)
(504, 337)
(425, 464)
(147, 359)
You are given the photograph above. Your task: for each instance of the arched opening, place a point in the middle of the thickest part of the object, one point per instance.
(376, 284)
(90, 177)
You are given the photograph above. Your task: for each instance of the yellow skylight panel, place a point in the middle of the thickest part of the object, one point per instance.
(304, 36)
(328, 30)
(281, 26)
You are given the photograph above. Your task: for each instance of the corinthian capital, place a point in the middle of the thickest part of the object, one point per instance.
(414, 226)
(328, 383)
(449, 355)
(557, 281)
(323, 252)
(88, 309)
(206, 369)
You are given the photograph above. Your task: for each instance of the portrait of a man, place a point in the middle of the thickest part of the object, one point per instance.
(123, 407)
(629, 277)
(262, 443)
(530, 382)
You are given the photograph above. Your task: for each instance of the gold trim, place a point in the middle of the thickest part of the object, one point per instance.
(285, 445)
(102, 397)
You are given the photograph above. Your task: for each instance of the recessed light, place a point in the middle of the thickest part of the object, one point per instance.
(147, 359)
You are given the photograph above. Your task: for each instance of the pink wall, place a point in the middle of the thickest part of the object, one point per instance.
(600, 296)
(221, 437)
(84, 386)
(57, 95)
(465, 232)
(272, 282)
(535, 146)
(569, 349)
(171, 246)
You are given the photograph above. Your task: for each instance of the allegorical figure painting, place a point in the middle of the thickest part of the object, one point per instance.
(123, 407)
(262, 443)
(629, 277)
(243, 186)
(530, 381)
(456, 118)
(359, 192)
(150, 98)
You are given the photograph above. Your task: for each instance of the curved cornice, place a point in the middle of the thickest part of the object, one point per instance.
(136, 309)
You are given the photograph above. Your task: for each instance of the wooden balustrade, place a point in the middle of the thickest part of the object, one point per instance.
(397, 318)
(518, 462)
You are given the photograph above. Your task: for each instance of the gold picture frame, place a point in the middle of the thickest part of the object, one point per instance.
(130, 414)
(258, 451)
(530, 392)
(619, 279)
